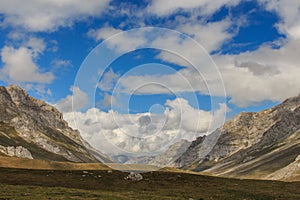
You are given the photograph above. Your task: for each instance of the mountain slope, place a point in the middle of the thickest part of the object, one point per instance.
(252, 145)
(167, 158)
(30, 128)
(172, 154)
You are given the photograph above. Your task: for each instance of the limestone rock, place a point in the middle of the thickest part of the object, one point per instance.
(40, 128)
(18, 151)
(251, 145)
(134, 177)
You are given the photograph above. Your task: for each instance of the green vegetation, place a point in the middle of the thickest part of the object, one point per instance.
(103, 184)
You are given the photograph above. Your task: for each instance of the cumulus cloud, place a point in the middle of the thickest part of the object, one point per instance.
(48, 15)
(103, 33)
(289, 12)
(207, 7)
(185, 80)
(249, 78)
(108, 80)
(257, 68)
(189, 79)
(210, 35)
(123, 43)
(74, 102)
(36, 44)
(20, 66)
(143, 133)
(264, 74)
(108, 101)
(192, 78)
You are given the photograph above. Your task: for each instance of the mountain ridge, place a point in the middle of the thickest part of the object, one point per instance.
(38, 129)
(251, 145)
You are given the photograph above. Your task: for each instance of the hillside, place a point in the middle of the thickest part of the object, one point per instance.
(264, 145)
(31, 128)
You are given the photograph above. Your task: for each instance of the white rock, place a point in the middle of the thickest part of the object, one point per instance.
(134, 177)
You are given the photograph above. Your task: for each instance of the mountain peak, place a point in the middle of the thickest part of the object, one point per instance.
(16, 88)
(290, 103)
(18, 94)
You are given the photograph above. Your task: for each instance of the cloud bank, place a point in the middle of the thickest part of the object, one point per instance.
(144, 133)
(48, 15)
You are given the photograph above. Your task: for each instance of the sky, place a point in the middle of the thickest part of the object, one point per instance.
(137, 76)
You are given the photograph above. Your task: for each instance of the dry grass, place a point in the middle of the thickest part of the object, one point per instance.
(103, 184)
(23, 163)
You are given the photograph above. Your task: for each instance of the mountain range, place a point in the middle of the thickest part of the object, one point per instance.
(261, 145)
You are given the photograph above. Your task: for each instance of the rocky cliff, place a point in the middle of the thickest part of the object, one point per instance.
(30, 128)
(251, 145)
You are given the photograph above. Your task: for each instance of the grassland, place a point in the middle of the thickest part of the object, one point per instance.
(107, 184)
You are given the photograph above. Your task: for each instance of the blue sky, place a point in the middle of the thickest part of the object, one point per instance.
(253, 44)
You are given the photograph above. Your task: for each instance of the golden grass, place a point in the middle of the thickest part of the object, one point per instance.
(23, 163)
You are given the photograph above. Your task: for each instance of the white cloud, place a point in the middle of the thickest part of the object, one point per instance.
(48, 15)
(125, 42)
(199, 75)
(108, 80)
(39, 89)
(185, 80)
(143, 133)
(36, 44)
(211, 35)
(19, 65)
(103, 33)
(58, 63)
(74, 102)
(276, 79)
(289, 12)
(180, 116)
(249, 78)
(207, 7)
(107, 102)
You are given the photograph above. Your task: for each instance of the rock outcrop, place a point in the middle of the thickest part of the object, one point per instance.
(40, 129)
(18, 151)
(134, 177)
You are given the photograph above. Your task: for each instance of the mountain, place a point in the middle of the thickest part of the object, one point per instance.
(167, 158)
(263, 145)
(30, 128)
(171, 155)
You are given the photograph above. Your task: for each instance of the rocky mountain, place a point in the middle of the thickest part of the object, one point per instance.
(264, 145)
(171, 155)
(167, 158)
(30, 128)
